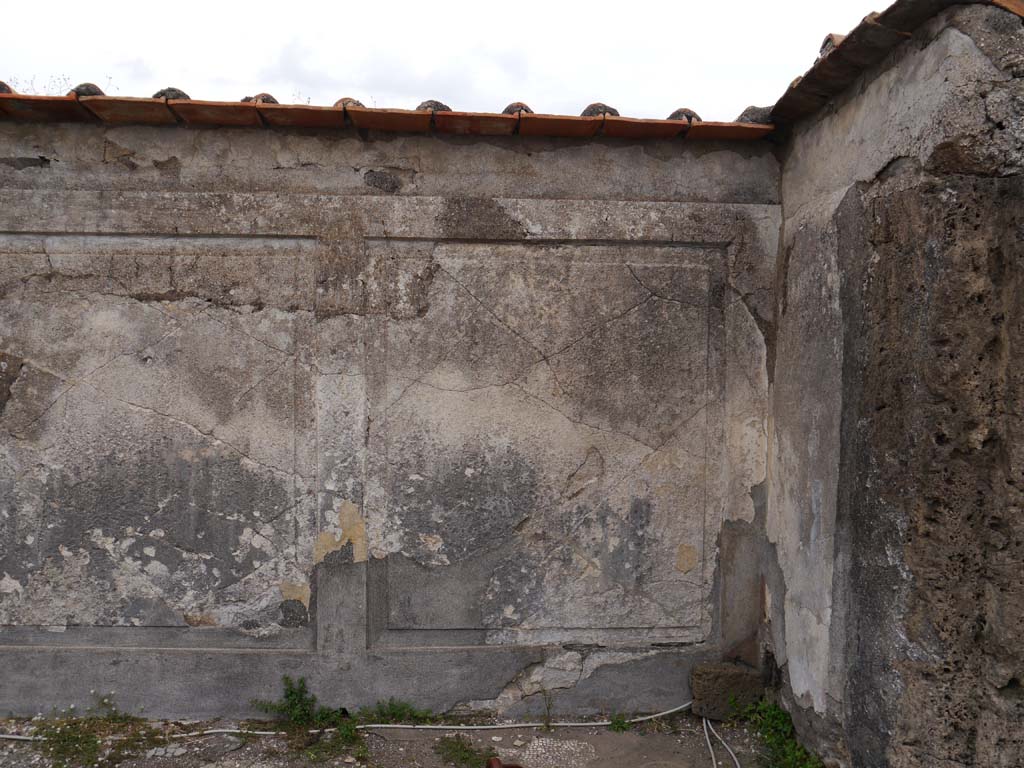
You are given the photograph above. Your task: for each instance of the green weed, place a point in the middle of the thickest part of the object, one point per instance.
(103, 736)
(619, 723)
(459, 751)
(299, 708)
(775, 727)
(549, 702)
(345, 740)
(299, 712)
(395, 711)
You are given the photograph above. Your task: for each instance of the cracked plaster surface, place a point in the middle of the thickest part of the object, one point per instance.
(226, 410)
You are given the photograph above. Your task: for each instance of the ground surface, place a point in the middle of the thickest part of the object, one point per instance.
(678, 745)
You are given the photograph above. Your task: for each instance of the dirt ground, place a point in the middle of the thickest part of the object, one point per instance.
(678, 744)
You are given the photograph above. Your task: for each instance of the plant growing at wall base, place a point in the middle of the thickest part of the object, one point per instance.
(395, 711)
(303, 719)
(346, 739)
(775, 727)
(459, 751)
(549, 703)
(619, 723)
(299, 708)
(103, 736)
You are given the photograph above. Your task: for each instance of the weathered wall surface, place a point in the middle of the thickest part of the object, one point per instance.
(454, 420)
(510, 423)
(897, 607)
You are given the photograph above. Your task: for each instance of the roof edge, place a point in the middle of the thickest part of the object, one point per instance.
(869, 43)
(121, 110)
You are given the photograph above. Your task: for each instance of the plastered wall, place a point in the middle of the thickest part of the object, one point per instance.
(505, 423)
(455, 420)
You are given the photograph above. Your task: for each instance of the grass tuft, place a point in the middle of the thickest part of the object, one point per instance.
(102, 737)
(395, 711)
(460, 752)
(299, 708)
(346, 740)
(619, 723)
(299, 712)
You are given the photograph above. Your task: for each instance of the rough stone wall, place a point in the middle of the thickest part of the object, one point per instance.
(897, 606)
(455, 420)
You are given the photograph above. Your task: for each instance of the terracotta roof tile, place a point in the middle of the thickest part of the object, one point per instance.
(44, 108)
(831, 41)
(409, 120)
(301, 116)
(558, 125)
(475, 123)
(233, 113)
(631, 128)
(842, 60)
(517, 118)
(118, 110)
(1013, 6)
(728, 131)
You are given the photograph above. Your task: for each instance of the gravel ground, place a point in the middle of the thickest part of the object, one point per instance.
(678, 744)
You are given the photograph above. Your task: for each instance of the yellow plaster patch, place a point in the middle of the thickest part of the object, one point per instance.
(353, 530)
(292, 591)
(686, 558)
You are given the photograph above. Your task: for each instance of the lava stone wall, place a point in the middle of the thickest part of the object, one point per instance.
(896, 604)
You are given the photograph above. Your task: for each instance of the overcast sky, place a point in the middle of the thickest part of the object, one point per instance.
(643, 58)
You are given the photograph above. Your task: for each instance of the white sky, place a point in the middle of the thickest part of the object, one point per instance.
(643, 58)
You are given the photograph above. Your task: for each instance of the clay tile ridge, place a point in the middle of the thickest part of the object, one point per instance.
(170, 106)
(841, 60)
